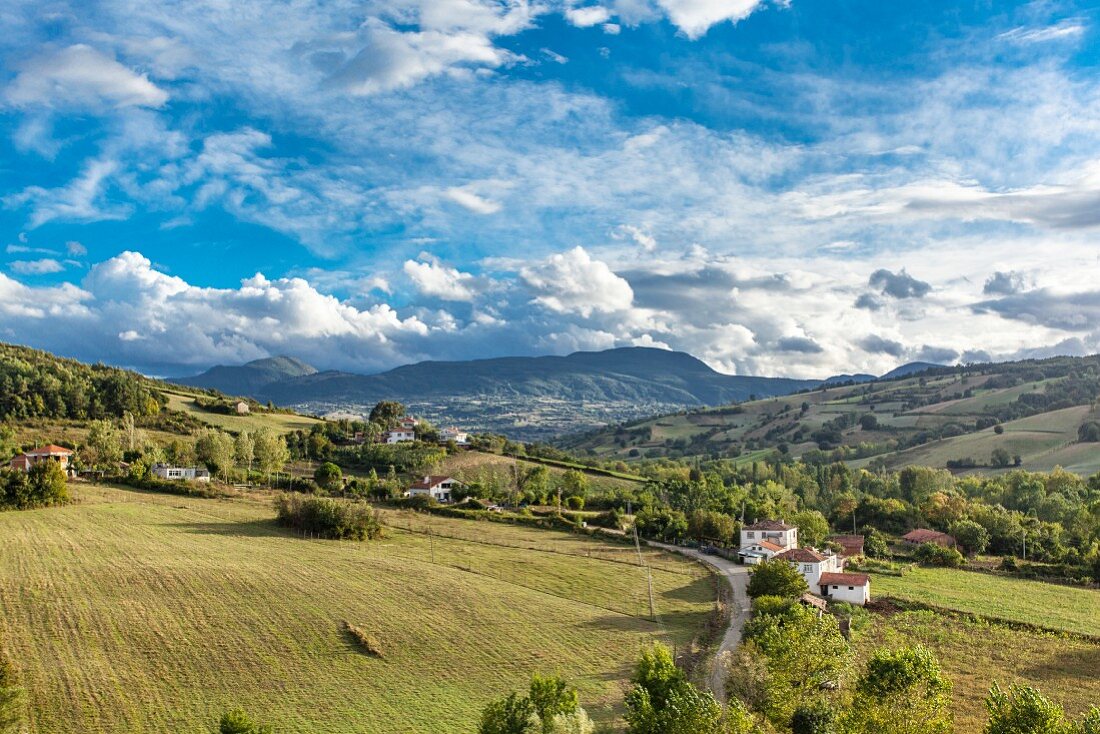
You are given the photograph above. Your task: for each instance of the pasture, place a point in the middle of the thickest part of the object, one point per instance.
(138, 612)
(1068, 608)
(278, 422)
(974, 654)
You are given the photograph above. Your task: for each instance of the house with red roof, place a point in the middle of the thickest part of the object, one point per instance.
(50, 452)
(854, 588)
(811, 563)
(921, 536)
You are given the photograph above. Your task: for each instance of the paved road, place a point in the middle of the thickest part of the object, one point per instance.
(738, 578)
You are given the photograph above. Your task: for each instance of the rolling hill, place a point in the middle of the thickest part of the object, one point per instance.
(953, 417)
(250, 378)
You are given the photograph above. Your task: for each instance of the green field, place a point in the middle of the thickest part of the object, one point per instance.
(975, 654)
(280, 422)
(139, 612)
(1068, 608)
(478, 466)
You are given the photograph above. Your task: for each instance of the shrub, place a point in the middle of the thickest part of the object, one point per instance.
(930, 554)
(238, 722)
(574, 502)
(328, 518)
(43, 485)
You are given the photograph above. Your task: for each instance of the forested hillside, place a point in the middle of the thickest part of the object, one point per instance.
(36, 384)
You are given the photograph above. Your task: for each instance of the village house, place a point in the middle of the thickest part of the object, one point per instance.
(437, 487)
(408, 423)
(186, 473)
(854, 588)
(774, 531)
(60, 454)
(924, 535)
(454, 434)
(811, 564)
(242, 408)
(761, 550)
(399, 435)
(851, 545)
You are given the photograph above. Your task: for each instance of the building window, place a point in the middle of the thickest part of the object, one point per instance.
(807, 568)
(851, 588)
(752, 535)
(835, 588)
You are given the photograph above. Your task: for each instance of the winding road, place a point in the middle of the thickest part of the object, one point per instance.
(738, 578)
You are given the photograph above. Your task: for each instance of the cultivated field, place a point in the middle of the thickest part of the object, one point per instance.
(279, 422)
(975, 654)
(1069, 608)
(140, 612)
(479, 466)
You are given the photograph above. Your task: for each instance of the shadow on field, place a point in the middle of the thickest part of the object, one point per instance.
(1081, 664)
(239, 529)
(621, 623)
(702, 589)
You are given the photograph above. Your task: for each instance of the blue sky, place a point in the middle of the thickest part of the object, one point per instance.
(779, 187)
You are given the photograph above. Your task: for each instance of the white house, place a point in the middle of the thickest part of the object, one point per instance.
(437, 487)
(399, 435)
(243, 408)
(760, 550)
(854, 588)
(454, 434)
(811, 564)
(774, 531)
(408, 422)
(188, 473)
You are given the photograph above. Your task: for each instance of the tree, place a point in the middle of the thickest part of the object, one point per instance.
(812, 526)
(244, 450)
(663, 701)
(551, 696)
(238, 722)
(215, 449)
(509, 715)
(868, 422)
(271, 451)
(930, 554)
(971, 536)
(776, 578)
(48, 483)
(574, 483)
(329, 477)
(817, 717)
(386, 413)
(1000, 458)
(902, 692)
(1089, 432)
(103, 449)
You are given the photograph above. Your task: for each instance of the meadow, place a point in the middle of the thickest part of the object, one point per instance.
(974, 654)
(279, 422)
(1068, 608)
(138, 612)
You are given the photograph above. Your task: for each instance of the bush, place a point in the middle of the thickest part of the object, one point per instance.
(574, 502)
(42, 486)
(930, 554)
(328, 518)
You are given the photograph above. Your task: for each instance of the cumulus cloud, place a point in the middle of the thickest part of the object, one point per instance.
(1004, 284)
(898, 285)
(572, 282)
(695, 17)
(876, 344)
(431, 278)
(81, 75)
(1065, 311)
(939, 355)
(868, 302)
(587, 16)
(801, 344)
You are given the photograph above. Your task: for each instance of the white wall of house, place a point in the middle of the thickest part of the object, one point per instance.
(852, 594)
(812, 571)
(786, 538)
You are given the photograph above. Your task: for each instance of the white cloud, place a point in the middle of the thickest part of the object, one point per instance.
(1065, 29)
(81, 200)
(572, 282)
(587, 16)
(464, 197)
(695, 17)
(433, 279)
(36, 267)
(81, 75)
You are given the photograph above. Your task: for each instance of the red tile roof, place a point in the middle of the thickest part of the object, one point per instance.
(924, 535)
(50, 449)
(813, 601)
(844, 579)
(769, 525)
(430, 481)
(770, 545)
(852, 544)
(801, 555)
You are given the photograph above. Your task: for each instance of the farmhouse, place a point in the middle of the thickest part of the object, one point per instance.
(242, 408)
(854, 588)
(811, 564)
(437, 487)
(923, 535)
(399, 435)
(60, 454)
(773, 531)
(761, 550)
(188, 473)
(851, 545)
(454, 434)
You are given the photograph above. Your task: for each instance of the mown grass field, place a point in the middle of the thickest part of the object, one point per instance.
(479, 466)
(1069, 608)
(280, 422)
(975, 654)
(139, 612)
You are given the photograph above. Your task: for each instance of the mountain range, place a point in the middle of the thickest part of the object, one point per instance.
(526, 397)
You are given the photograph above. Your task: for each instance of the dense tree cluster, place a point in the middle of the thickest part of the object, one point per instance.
(43, 485)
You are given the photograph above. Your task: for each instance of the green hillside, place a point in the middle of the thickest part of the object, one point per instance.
(948, 417)
(149, 613)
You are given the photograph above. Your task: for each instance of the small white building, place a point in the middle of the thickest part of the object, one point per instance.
(408, 422)
(811, 564)
(243, 408)
(761, 550)
(854, 588)
(399, 435)
(437, 487)
(453, 434)
(184, 473)
(773, 531)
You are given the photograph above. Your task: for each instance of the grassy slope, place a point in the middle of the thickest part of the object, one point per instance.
(281, 422)
(139, 612)
(1067, 608)
(475, 465)
(975, 654)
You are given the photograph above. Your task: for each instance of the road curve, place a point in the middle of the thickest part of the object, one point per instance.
(738, 578)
